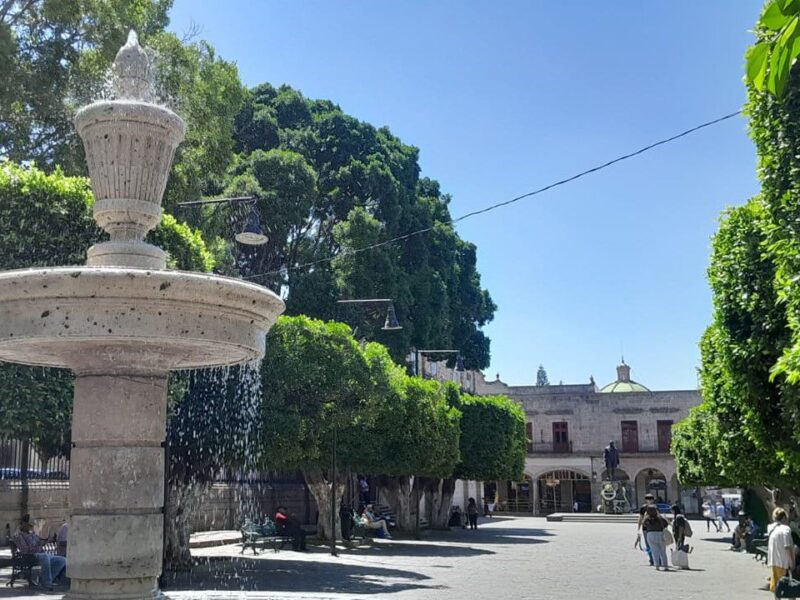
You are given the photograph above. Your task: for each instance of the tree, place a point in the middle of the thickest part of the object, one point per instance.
(541, 377)
(316, 384)
(770, 61)
(55, 57)
(330, 185)
(744, 430)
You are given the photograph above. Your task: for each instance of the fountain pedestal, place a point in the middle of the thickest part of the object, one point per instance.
(117, 486)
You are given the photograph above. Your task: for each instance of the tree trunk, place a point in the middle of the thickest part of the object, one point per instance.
(441, 513)
(396, 492)
(320, 488)
(183, 501)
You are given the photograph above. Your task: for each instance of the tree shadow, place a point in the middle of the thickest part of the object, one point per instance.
(496, 535)
(280, 575)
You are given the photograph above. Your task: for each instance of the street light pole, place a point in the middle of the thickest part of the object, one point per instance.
(390, 324)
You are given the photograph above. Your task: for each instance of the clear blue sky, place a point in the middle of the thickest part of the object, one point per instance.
(505, 97)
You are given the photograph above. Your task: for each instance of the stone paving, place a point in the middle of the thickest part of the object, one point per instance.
(521, 557)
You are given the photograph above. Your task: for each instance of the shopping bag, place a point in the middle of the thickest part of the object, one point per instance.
(787, 587)
(680, 560)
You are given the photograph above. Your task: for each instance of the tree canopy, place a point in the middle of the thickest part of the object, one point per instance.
(744, 431)
(328, 185)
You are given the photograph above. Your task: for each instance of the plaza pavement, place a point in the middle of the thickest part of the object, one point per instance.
(508, 557)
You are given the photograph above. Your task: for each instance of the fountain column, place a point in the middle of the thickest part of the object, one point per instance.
(117, 485)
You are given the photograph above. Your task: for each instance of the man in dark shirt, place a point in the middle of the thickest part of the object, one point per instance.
(289, 527)
(51, 566)
(649, 500)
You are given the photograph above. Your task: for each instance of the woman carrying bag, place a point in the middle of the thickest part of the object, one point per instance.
(657, 530)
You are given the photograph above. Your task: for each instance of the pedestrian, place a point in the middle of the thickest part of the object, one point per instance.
(780, 548)
(654, 524)
(724, 512)
(485, 503)
(472, 514)
(363, 489)
(649, 500)
(709, 516)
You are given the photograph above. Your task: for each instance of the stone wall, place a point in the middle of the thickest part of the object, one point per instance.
(224, 506)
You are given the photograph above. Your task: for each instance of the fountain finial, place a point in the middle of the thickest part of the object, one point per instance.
(131, 70)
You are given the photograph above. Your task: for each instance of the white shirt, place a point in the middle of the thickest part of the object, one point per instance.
(780, 544)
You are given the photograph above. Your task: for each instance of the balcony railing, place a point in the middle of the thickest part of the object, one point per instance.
(550, 448)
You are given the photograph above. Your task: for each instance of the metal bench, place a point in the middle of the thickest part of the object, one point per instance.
(253, 536)
(758, 548)
(22, 564)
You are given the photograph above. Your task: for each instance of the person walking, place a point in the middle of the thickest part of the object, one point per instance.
(780, 548)
(649, 500)
(472, 514)
(723, 512)
(654, 524)
(710, 516)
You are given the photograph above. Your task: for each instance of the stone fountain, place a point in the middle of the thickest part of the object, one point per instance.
(121, 323)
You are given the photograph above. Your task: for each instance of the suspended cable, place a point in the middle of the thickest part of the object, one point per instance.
(492, 207)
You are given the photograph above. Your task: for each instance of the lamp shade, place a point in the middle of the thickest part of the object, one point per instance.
(391, 323)
(252, 234)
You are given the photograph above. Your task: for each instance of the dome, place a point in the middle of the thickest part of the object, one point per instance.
(624, 383)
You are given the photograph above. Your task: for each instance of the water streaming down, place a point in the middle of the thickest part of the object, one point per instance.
(121, 324)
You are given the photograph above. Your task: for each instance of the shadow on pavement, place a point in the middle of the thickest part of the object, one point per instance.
(497, 535)
(276, 575)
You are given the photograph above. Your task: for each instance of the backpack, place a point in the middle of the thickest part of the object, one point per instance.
(687, 528)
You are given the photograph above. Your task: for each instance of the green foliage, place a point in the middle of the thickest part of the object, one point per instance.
(315, 378)
(745, 431)
(53, 56)
(331, 184)
(46, 220)
(493, 439)
(769, 62)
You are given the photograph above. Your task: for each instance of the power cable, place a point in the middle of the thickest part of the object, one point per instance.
(492, 207)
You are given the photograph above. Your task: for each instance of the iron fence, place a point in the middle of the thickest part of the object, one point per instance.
(21, 464)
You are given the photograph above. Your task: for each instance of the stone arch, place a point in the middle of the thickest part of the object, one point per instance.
(655, 481)
(562, 490)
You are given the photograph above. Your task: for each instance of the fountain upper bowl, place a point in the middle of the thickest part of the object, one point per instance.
(128, 320)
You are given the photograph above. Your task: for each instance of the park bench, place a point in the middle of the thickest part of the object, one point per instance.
(22, 564)
(254, 534)
(758, 548)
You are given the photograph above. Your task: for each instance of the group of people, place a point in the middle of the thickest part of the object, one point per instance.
(654, 535)
(52, 565)
(717, 514)
(466, 519)
(369, 518)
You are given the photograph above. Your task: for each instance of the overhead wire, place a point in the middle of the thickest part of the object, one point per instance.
(492, 207)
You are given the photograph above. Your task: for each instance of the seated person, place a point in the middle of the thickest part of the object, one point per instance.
(456, 518)
(50, 565)
(743, 532)
(289, 527)
(371, 521)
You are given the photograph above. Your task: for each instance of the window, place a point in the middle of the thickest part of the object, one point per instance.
(529, 435)
(664, 436)
(630, 436)
(560, 437)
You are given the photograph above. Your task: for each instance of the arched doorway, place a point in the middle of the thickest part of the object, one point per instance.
(652, 481)
(563, 490)
(518, 495)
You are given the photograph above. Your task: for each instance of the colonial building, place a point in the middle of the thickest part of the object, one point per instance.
(569, 426)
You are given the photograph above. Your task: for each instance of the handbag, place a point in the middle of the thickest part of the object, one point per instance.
(668, 539)
(787, 587)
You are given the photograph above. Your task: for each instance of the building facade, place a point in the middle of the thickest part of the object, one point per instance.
(568, 427)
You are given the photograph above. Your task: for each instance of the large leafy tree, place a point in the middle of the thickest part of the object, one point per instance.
(330, 184)
(55, 56)
(744, 432)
